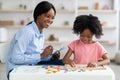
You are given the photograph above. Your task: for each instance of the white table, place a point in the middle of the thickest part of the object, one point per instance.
(61, 73)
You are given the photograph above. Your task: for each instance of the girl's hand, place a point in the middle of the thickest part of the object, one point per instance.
(72, 63)
(47, 51)
(92, 64)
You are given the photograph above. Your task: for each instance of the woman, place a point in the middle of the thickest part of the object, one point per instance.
(26, 47)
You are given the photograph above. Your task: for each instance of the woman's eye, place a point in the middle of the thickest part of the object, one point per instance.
(47, 16)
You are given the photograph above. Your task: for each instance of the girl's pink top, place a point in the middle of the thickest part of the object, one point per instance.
(85, 53)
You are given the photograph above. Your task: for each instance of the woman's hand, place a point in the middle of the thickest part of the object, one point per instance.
(55, 56)
(47, 51)
(92, 64)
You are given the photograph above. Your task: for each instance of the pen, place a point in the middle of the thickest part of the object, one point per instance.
(57, 49)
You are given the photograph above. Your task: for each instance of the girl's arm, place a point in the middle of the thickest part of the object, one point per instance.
(67, 60)
(105, 60)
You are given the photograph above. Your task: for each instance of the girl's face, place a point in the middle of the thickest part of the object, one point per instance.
(86, 36)
(45, 20)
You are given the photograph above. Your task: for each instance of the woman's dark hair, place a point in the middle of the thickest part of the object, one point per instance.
(90, 22)
(42, 7)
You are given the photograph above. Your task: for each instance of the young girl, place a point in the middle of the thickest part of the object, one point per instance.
(85, 50)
